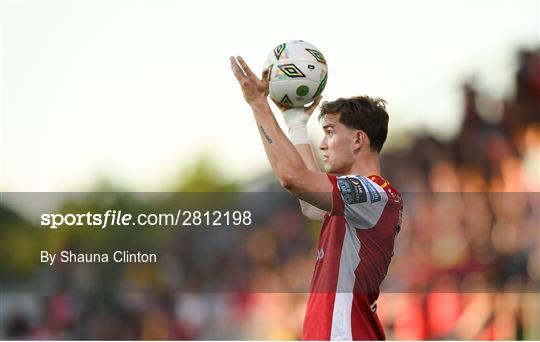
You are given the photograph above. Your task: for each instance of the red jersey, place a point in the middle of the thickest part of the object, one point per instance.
(356, 244)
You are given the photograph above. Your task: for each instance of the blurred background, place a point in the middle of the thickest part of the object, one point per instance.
(111, 98)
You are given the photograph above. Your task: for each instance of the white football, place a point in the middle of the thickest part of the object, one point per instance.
(298, 73)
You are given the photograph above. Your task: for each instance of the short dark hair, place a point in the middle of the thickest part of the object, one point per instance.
(362, 113)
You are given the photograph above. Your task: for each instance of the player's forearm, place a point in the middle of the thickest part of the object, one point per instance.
(307, 154)
(285, 160)
(296, 120)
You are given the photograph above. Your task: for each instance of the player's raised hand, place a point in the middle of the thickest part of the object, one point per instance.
(255, 90)
(308, 110)
(297, 116)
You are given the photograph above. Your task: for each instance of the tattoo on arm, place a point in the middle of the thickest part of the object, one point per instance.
(263, 132)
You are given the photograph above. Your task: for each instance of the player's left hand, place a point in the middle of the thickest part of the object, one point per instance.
(255, 90)
(296, 116)
(308, 110)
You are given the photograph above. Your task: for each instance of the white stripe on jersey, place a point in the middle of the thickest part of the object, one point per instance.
(348, 262)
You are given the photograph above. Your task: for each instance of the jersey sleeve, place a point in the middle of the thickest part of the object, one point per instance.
(359, 199)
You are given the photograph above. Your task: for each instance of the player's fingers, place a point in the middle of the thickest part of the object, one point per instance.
(317, 101)
(246, 68)
(280, 105)
(238, 73)
(309, 110)
(266, 74)
(265, 79)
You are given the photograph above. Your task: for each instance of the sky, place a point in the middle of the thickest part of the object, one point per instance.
(135, 91)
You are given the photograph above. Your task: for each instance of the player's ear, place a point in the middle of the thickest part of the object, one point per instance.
(359, 140)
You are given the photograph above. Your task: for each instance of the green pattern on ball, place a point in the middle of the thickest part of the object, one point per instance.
(286, 101)
(278, 51)
(303, 90)
(318, 55)
(321, 86)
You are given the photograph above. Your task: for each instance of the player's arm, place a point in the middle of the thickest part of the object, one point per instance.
(310, 211)
(296, 120)
(287, 164)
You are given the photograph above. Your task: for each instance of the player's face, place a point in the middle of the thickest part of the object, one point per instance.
(337, 146)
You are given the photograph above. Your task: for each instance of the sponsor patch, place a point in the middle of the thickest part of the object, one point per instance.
(374, 195)
(352, 190)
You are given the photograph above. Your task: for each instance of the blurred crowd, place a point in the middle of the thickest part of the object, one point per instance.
(466, 264)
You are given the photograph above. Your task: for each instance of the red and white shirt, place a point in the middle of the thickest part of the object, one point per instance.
(356, 244)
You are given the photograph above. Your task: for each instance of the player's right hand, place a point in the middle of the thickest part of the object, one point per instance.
(255, 90)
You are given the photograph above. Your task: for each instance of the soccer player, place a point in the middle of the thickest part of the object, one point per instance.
(360, 210)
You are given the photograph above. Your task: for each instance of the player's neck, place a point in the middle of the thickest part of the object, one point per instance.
(367, 165)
